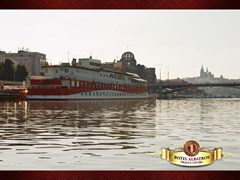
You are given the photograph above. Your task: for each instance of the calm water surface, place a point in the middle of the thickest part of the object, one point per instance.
(115, 135)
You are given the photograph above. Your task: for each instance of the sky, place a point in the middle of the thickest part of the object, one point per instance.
(175, 41)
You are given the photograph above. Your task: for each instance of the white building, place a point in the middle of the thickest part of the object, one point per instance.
(31, 60)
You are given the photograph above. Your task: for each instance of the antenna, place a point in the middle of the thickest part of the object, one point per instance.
(160, 73)
(91, 55)
(68, 56)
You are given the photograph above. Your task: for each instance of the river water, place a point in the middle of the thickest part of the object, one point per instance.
(115, 135)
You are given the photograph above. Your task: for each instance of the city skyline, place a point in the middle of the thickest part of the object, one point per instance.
(178, 41)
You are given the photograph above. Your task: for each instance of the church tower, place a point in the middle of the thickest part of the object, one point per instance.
(202, 73)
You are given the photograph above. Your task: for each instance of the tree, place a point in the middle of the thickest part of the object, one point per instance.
(1, 70)
(21, 73)
(8, 70)
(10, 73)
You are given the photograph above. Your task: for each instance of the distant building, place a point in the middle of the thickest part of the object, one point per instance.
(206, 74)
(113, 66)
(207, 77)
(31, 60)
(128, 63)
(150, 75)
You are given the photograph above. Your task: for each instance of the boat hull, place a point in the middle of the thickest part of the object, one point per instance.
(93, 95)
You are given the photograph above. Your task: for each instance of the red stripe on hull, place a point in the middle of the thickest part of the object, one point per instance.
(54, 87)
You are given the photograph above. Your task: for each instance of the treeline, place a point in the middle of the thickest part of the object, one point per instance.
(10, 73)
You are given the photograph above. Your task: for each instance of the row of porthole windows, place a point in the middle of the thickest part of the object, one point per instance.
(108, 94)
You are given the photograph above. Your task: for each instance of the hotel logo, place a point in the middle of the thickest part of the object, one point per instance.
(191, 154)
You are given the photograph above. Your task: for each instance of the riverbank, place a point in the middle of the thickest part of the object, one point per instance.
(12, 92)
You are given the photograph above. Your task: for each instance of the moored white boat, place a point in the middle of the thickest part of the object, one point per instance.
(86, 80)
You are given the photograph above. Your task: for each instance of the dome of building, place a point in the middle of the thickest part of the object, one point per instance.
(128, 56)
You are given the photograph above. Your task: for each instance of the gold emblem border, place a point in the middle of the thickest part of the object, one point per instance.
(203, 158)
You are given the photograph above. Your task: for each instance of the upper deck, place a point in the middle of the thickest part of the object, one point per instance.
(86, 73)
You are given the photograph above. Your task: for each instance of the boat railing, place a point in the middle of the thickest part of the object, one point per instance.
(44, 77)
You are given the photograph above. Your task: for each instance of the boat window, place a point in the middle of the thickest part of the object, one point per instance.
(94, 64)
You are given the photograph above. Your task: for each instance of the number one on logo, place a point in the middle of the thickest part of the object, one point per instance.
(191, 148)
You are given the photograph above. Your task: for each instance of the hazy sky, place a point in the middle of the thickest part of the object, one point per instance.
(180, 40)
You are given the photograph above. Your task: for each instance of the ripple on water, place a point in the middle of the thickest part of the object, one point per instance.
(113, 134)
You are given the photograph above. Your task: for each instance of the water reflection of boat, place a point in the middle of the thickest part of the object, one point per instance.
(10, 94)
(109, 118)
(88, 105)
